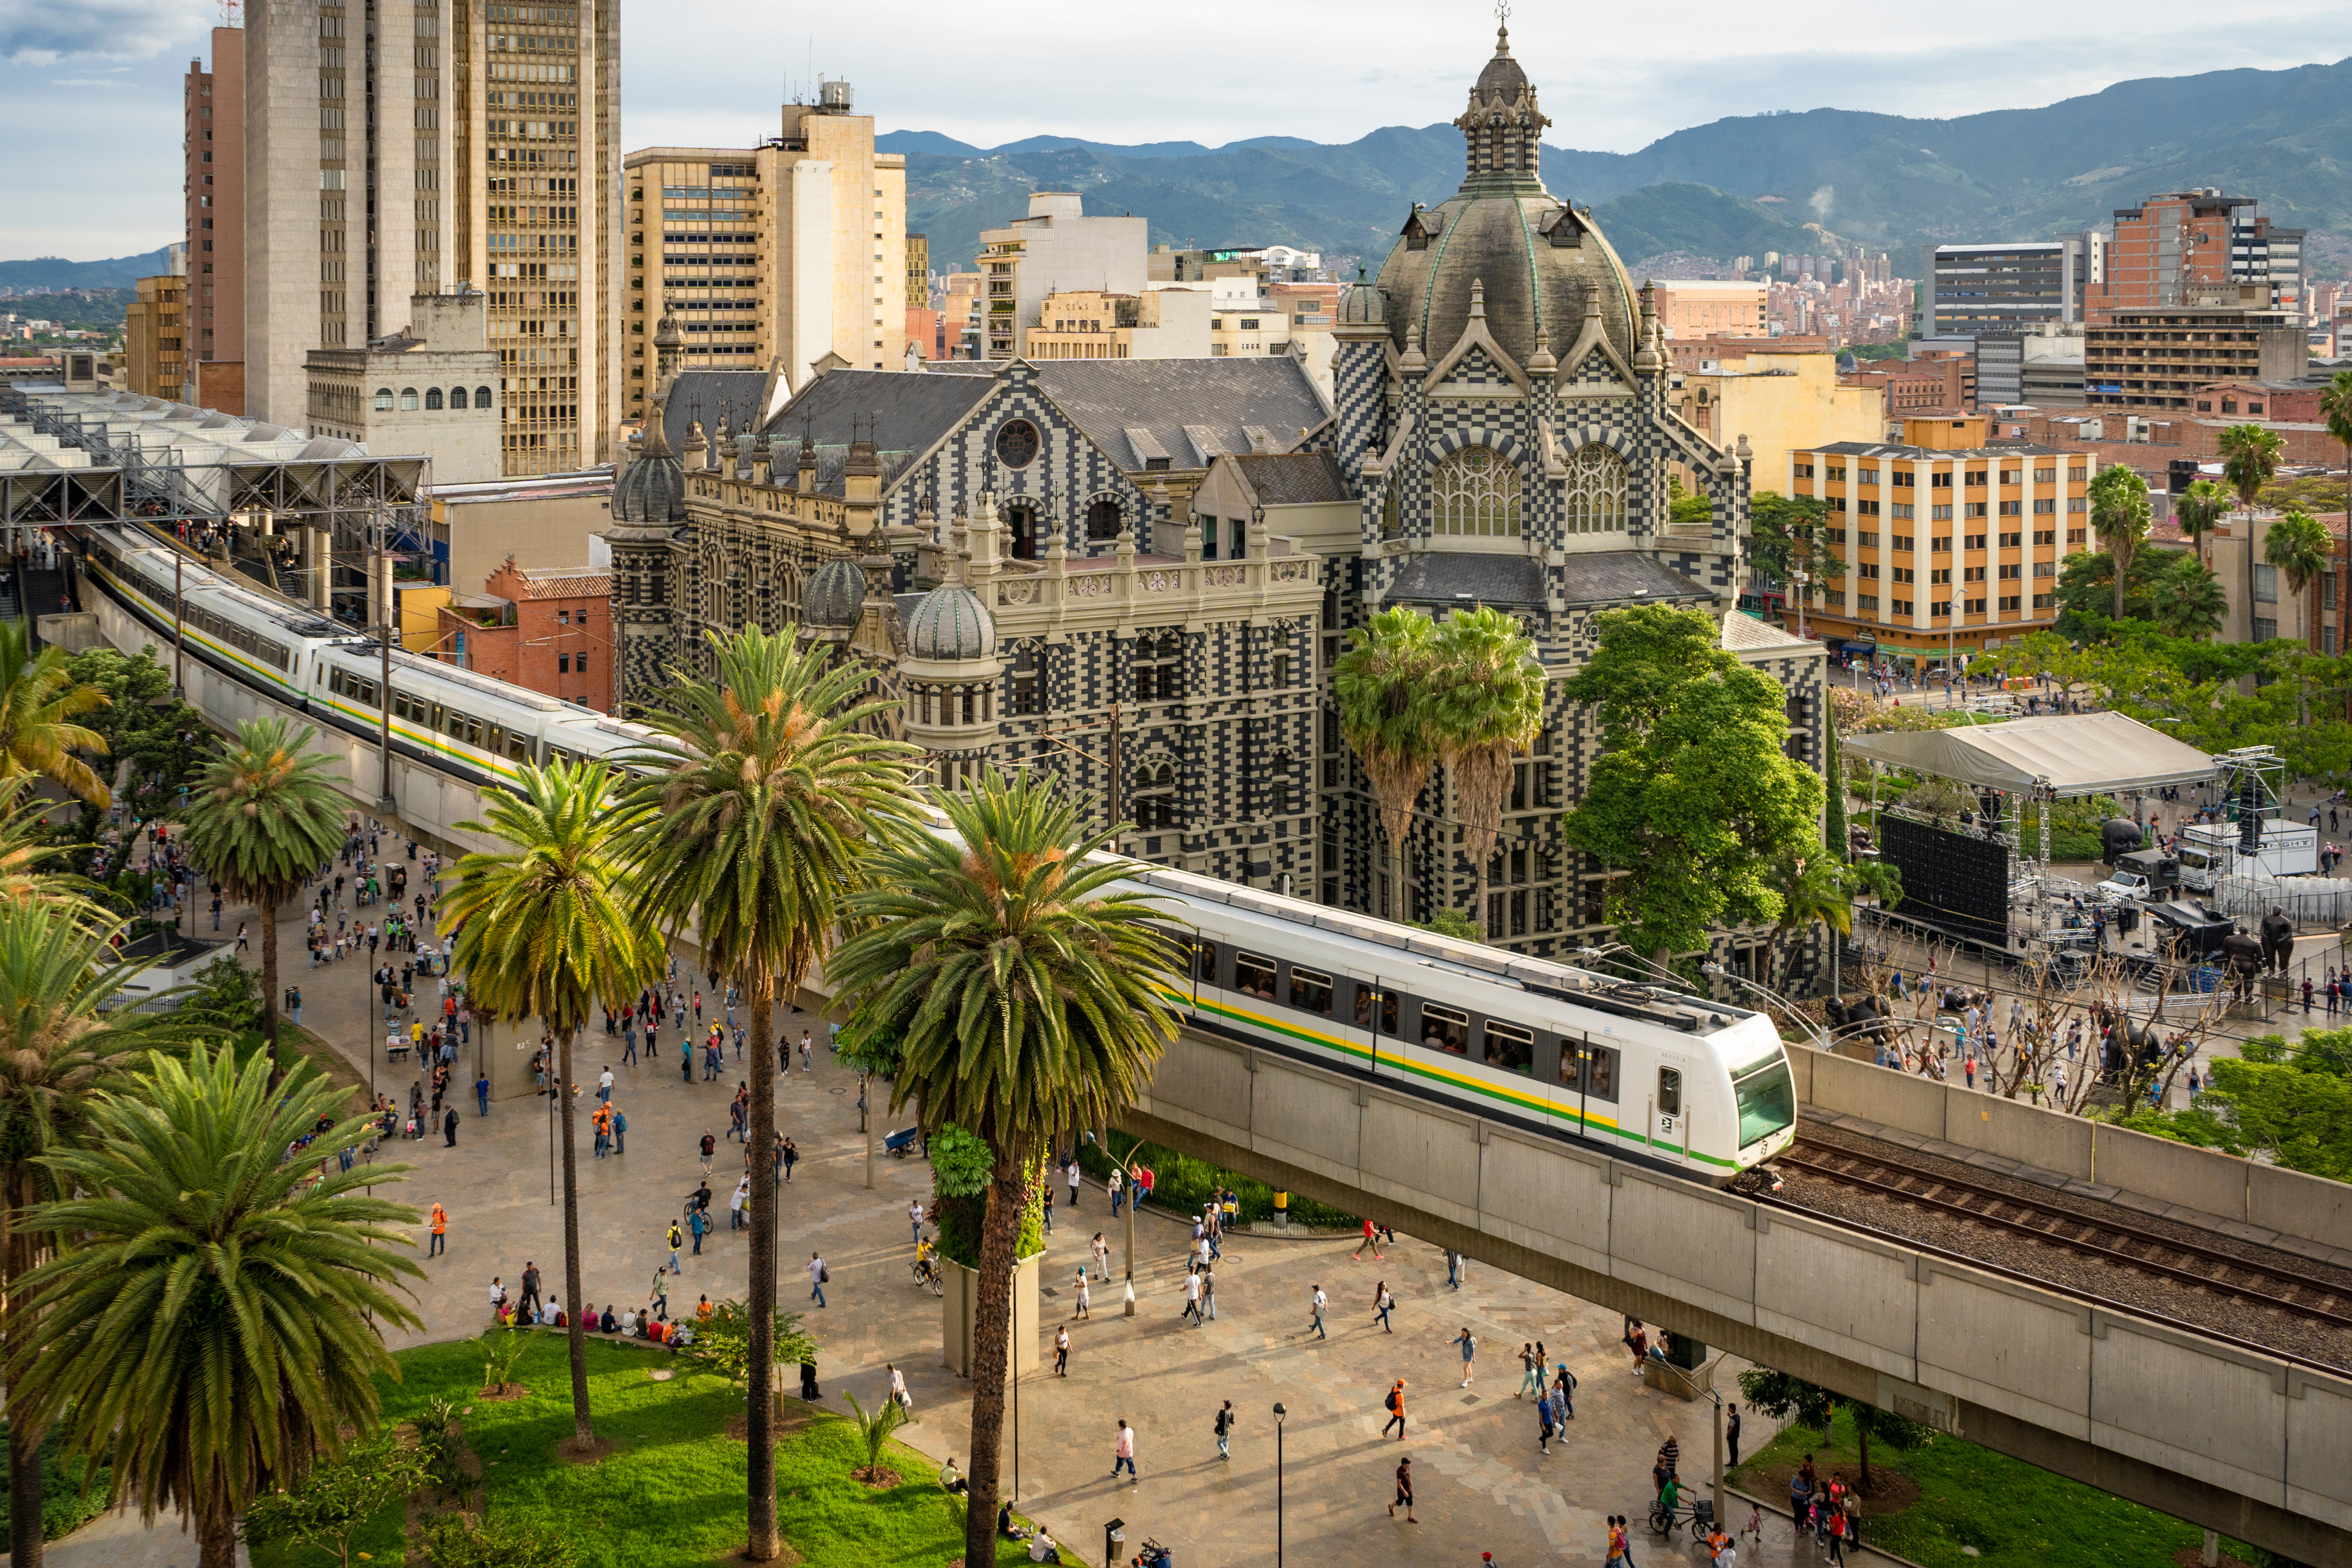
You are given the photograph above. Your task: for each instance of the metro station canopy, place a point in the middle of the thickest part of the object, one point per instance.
(2063, 753)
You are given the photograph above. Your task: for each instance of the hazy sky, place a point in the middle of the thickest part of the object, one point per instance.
(90, 112)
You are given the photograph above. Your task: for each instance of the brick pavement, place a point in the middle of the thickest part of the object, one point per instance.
(1481, 1482)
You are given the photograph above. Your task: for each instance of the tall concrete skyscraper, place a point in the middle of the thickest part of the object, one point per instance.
(414, 147)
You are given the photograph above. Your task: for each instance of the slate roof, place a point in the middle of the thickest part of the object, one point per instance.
(911, 412)
(1449, 579)
(1106, 399)
(1294, 478)
(1619, 576)
(697, 393)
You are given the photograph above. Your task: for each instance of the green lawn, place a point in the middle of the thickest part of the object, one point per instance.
(2010, 1511)
(672, 1492)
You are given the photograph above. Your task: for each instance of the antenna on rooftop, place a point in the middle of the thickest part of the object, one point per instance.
(231, 13)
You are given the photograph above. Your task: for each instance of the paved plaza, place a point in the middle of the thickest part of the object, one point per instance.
(1481, 1482)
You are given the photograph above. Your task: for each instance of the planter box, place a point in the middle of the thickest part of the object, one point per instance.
(957, 1306)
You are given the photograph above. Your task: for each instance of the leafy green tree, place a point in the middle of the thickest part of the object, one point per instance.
(2185, 599)
(327, 1509)
(1693, 797)
(41, 707)
(1452, 923)
(2300, 547)
(2335, 409)
(753, 820)
(2170, 588)
(64, 1037)
(1783, 1397)
(461, 1541)
(2120, 517)
(722, 1344)
(165, 740)
(1382, 684)
(217, 1322)
(262, 819)
(1488, 708)
(1788, 534)
(552, 924)
(1028, 993)
(2199, 510)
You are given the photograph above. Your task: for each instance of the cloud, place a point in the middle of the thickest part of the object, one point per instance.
(39, 33)
(82, 81)
(1820, 201)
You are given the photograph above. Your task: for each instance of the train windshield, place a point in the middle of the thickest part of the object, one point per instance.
(1768, 1102)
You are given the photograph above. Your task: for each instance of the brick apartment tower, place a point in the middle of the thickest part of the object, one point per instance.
(406, 148)
(2170, 244)
(213, 184)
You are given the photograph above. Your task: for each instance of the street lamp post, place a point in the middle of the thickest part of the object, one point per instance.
(1278, 1413)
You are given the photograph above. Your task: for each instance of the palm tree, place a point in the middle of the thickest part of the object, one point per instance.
(1382, 683)
(262, 818)
(752, 829)
(64, 1038)
(2335, 409)
(1486, 707)
(1026, 991)
(25, 850)
(1812, 884)
(218, 1321)
(2187, 599)
(2300, 547)
(2200, 510)
(39, 700)
(2250, 456)
(2119, 516)
(554, 926)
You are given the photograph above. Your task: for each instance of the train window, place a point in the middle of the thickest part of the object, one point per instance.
(1387, 1009)
(1598, 1065)
(1310, 992)
(1768, 1102)
(518, 747)
(1208, 970)
(1670, 1092)
(1443, 1029)
(1509, 1048)
(1253, 976)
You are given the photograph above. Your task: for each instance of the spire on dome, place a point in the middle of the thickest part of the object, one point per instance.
(1503, 126)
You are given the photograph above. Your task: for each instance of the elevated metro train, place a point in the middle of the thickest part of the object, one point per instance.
(1642, 1071)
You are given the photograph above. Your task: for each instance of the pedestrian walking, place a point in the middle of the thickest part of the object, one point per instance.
(709, 1148)
(1085, 1308)
(528, 1304)
(604, 1086)
(449, 1128)
(1062, 1351)
(1469, 1354)
(817, 1278)
(1531, 1372)
(1452, 1269)
(1123, 1452)
(1193, 1297)
(1209, 1294)
(1117, 1185)
(1101, 1250)
(699, 1225)
(915, 1217)
(1071, 1173)
(1226, 1421)
(1395, 1404)
(676, 1239)
(482, 1094)
(1404, 1490)
(440, 1243)
(1563, 1388)
(1316, 1304)
(1543, 1424)
(658, 1297)
(1732, 1432)
(790, 1156)
(1372, 1239)
(1383, 1305)
(620, 1131)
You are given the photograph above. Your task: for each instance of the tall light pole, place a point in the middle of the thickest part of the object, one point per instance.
(1278, 1413)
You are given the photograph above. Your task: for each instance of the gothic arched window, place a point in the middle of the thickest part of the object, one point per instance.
(1155, 797)
(1476, 495)
(1596, 491)
(1103, 521)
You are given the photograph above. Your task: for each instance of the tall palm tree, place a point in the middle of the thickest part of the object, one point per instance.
(1488, 706)
(217, 1320)
(1026, 991)
(1382, 684)
(39, 700)
(1812, 888)
(64, 1038)
(2187, 599)
(552, 926)
(262, 818)
(2335, 409)
(751, 828)
(2200, 510)
(26, 852)
(2250, 457)
(2119, 516)
(2301, 548)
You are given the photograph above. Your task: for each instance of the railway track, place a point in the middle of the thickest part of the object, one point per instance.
(2186, 1263)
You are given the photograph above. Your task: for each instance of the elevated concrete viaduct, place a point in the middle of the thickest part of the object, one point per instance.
(2258, 1447)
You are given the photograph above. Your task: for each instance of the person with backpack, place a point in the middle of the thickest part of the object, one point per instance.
(1395, 1404)
(1225, 1420)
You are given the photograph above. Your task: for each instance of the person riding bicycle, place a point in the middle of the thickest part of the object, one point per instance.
(1670, 1496)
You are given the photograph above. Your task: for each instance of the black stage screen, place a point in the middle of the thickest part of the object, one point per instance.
(1953, 881)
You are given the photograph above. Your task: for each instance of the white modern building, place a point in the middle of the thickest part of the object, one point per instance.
(1053, 249)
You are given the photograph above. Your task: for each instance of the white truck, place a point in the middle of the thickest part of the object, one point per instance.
(2211, 851)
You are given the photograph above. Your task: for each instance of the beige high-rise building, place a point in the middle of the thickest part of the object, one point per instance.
(775, 254)
(475, 145)
(213, 189)
(156, 338)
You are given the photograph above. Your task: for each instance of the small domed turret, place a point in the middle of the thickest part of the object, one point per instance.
(836, 596)
(952, 625)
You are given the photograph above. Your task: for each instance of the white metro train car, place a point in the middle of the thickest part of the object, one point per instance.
(1638, 1071)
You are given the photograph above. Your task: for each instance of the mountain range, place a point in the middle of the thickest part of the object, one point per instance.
(1737, 186)
(56, 272)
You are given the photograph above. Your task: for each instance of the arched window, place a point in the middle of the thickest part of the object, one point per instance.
(457, 397)
(1596, 491)
(433, 399)
(408, 400)
(1102, 520)
(1155, 797)
(1476, 495)
(1160, 668)
(383, 400)
(482, 397)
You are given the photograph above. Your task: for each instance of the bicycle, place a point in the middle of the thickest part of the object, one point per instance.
(927, 1273)
(1698, 1516)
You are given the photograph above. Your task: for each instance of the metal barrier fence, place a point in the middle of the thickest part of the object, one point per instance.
(2307, 900)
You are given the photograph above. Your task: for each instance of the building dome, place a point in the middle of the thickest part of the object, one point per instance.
(652, 489)
(1360, 303)
(952, 625)
(836, 596)
(1541, 262)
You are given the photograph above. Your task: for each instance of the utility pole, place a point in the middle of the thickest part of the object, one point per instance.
(1111, 807)
(179, 659)
(380, 603)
